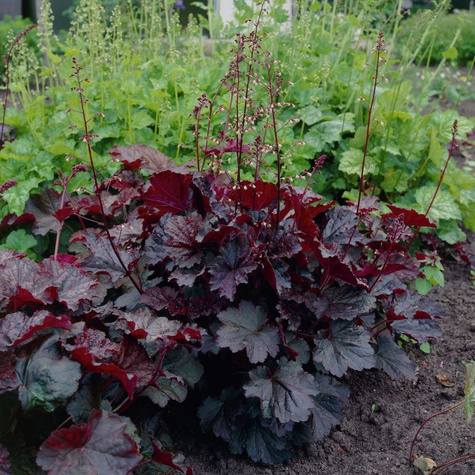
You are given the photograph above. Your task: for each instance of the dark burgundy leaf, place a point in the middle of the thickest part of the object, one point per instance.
(63, 213)
(70, 285)
(345, 345)
(5, 467)
(140, 156)
(411, 217)
(102, 446)
(329, 402)
(334, 266)
(340, 227)
(17, 274)
(392, 359)
(245, 328)
(234, 264)
(166, 458)
(17, 328)
(164, 298)
(103, 259)
(136, 362)
(46, 378)
(230, 145)
(256, 196)
(144, 324)
(95, 352)
(8, 377)
(299, 207)
(169, 192)
(407, 305)
(345, 303)
(42, 206)
(13, 220)
(420, 330)
(184, 233)
(286, 393)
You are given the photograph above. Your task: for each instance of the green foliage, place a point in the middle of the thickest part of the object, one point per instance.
(9, 27)
(145, 94)
(439, 43)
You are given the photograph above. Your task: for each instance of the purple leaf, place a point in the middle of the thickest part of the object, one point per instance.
(255, 196)
(164, 298)
(234, 264)
(70, 285)
(8, 377)
(169, 192)
(95, 352)
(101, 446)
(182, 244)
(392, 359)
(345, 345)
(144, 324)
(244, 328)
(5, 467)
(420, 330)
(340, 227)
(42, 206)
(344, 303)
(140, 156)
(407, 305)
(46, 378)
(103, 259)
(328, 405)
(17, 328)
(286, 393)
(411, 217)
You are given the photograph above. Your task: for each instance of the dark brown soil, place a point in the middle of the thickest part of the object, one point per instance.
(383, 415)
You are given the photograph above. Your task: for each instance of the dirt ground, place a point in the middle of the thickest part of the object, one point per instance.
(383, 415)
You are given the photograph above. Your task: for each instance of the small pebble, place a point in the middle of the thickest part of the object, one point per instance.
(472, 326)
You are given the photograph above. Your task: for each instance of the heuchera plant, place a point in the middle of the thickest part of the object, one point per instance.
(263, 292)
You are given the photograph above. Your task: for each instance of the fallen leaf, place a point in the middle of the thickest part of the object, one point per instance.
(425, 465)
(443, 379)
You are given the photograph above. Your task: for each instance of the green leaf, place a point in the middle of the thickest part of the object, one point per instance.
(451, 53)
(310, 114)
(141, 119)
(351, 162)
(345, 345)
(423, 286)
(444, 206)
(47, 378)
(425, 348)
(20, 241)
(448, 230)
(286, 393)
(244, 329)
(434, 275)
(469, 391)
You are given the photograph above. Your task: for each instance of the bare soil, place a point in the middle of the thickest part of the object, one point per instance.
(383, 415)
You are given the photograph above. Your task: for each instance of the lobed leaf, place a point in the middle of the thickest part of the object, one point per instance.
(46, 378)
(392, 359)
(286, 393)
(244, 328)
(344, 345)
(86, 449)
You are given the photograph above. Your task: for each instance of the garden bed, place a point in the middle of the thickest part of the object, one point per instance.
(383, 415)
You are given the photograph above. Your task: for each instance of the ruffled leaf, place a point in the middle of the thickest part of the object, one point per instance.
(90, 448)
(286, 393)
(245, 328)
(392, 359)
(345, 345)
(46, 378)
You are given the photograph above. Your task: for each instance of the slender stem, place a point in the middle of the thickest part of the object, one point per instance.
(453, 146)
(411, 452)
(452, 462)
(379, 49)
(87, 139)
